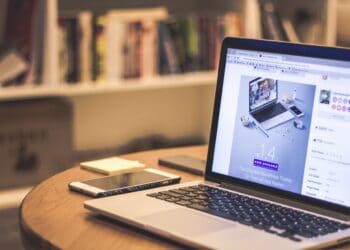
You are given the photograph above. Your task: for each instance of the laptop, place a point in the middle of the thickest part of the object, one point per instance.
(288, 190)
(263, 104)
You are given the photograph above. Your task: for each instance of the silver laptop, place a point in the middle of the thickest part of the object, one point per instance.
(287, 190)
(264, 105)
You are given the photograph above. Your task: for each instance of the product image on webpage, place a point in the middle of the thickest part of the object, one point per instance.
(272, 127)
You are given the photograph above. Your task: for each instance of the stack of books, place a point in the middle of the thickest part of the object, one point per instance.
(140, 43)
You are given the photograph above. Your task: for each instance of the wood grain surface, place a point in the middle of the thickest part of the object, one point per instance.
(52, 217)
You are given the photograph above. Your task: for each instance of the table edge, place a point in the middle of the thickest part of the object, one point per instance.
(30, 239)
(33, 240)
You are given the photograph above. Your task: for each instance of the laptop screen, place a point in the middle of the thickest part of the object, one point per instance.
(307, 153)
(262, 92)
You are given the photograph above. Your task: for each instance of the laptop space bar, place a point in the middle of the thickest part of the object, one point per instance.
(272, 218)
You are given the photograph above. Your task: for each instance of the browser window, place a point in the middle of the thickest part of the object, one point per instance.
(285, 119)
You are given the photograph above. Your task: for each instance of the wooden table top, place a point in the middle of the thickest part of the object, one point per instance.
(52, 217)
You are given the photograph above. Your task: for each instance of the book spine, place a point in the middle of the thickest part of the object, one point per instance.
(99, 49)
(115, 40)
(72, 36)
(85, 26)
(62, 51)
(272, 27)
(173, 47)
(148, 49)
(137, 63)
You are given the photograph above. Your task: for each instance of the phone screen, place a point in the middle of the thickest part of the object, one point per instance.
(295, 110)
(125, 180)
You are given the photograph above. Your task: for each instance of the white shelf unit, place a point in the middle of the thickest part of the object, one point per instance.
(323, 10)
(89, 88)
(112, 114)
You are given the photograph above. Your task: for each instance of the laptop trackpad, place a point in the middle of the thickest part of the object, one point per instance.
(186, 222)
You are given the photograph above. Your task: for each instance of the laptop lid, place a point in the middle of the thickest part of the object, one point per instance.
(262, 93)
(304, 159)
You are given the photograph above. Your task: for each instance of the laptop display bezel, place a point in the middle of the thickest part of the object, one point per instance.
(312, 51)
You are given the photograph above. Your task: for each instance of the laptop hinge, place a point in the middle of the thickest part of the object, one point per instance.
(288, 202)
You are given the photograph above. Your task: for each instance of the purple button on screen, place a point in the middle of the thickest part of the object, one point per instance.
(265, 164)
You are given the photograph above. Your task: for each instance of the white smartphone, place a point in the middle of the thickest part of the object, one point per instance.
(124, 183)
(296, 111)
(184, 163)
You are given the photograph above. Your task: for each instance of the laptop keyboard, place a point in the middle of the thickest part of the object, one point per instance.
(272, 218)
(269, 112)
(277, 120)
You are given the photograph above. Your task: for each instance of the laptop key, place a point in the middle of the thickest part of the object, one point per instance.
(153, 194)
(195, 200)
(172, 199)
(183, 203)
(179, 191)
(186, 198)
(172, 194)
(162, 197)
(202, 197)
(192, 194)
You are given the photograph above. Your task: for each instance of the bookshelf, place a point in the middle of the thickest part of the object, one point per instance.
(109, 107)
(324, 12)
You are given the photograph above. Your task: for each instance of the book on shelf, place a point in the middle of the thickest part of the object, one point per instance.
(148, 49)
(99, 49)
(85, 40)
(168, 61)
(290, 31)
(68, 49)
(132, 43)
(142, 43)
(22, 42)
(115, 42)
(271, 22)
(309, 28)
(12, 65)
(75, 48)
(304, 27)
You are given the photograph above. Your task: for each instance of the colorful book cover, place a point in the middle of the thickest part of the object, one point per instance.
(99, 49)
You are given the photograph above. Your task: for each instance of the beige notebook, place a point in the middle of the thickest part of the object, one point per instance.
(112, 165)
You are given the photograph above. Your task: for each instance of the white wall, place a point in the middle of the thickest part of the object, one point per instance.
(109, 120)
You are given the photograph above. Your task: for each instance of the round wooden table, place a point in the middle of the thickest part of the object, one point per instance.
(52, 217)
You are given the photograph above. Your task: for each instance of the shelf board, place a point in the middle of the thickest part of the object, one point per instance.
(27, 92)
(70, 90)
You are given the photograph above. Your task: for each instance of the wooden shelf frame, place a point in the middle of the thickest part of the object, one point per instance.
(207, 78)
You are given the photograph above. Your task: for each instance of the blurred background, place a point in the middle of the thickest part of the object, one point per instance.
(82, 80)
